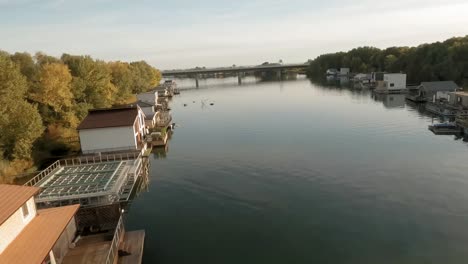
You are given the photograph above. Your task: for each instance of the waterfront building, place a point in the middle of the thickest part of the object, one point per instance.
(332, 72)
(111, 130)
(150, 97)
(33, 236)
(458, 99)
(391, 83)
(150, 113)
(432, 91)
(344, 72)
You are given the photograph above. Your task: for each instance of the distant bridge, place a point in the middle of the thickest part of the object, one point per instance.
(240, 70)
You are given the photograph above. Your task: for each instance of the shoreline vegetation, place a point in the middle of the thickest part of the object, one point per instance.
(44, 98)
(439, 61)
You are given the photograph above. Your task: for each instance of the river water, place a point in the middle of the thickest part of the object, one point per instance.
(296, 172)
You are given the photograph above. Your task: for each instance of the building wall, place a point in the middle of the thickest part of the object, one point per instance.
(464, 101)
(398, 80)
(440, 95)
(107, 139)
(10, 229)
(64, 243)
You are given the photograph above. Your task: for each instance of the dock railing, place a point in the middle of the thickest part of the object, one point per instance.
(100, 158)
(43, 174)
(118, 234)
(82, 160)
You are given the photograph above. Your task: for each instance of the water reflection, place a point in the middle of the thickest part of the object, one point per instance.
(160, 152)
(390, 100)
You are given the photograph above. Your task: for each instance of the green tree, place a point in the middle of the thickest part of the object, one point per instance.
(20, 121)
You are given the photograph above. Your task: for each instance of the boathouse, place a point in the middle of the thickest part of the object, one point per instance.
(391, 83)
(111, 130)
(150, 113)
(28, 235)
(459, 99)
(433, 91)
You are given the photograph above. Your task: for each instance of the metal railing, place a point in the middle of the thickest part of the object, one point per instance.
(83, 160)
(119, 233)
(100, 158)
(43, 174)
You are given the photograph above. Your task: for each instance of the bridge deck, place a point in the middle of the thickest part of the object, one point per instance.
(235, 69)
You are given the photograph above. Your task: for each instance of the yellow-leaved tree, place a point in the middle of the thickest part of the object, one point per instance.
(54, 87)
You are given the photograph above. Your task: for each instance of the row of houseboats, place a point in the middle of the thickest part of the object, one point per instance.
(78, 203)
(442, 98)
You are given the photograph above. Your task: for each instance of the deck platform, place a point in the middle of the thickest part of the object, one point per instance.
(89, 250)
(89, 181)
(132, 243)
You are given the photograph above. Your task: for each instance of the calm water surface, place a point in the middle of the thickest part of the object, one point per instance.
(294, 172)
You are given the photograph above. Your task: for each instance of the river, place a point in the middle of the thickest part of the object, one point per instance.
(297, 172)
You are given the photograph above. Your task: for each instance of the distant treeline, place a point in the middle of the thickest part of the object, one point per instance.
(440, 61)
(44, 98)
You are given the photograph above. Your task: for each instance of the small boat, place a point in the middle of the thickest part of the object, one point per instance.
(445, 128)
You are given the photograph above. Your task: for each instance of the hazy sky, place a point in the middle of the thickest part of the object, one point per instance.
(182, 33)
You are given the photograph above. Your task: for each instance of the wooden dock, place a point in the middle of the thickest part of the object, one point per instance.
(159, 141)
(132, 243)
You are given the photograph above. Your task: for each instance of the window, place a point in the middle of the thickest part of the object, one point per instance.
(392, 85)
(25, 210)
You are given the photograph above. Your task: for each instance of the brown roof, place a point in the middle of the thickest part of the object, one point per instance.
(116, 117)
(12, 197)
(36, 240)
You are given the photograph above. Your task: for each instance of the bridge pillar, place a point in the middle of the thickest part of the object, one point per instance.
(196, 81)
(239, 78)
(279, 75)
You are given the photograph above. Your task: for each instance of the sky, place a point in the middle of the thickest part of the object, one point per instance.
(175, 34)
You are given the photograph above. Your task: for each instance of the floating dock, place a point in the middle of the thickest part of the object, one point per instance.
(88, 180)
(448, 129)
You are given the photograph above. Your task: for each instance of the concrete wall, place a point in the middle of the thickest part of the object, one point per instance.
(64, 243)
(107, 139)
(10, 229)
(395, 81)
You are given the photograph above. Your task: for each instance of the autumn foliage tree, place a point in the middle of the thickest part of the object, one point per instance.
(44, 98)
(54, 87)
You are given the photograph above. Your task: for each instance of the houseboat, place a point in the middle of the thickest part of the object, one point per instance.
(431, 91)
(391, 83)
(29, 235)
(119, 129)
(452, 104)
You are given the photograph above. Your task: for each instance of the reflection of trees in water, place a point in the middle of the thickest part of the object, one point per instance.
(332, 81)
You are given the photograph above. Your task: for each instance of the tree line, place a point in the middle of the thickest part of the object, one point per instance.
(44, 98)
(439, 61)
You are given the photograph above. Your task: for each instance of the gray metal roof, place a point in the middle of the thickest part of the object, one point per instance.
(439, 86)
(144, 104)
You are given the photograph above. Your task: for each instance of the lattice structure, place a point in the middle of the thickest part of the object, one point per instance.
(90, 178)
(90, 184)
